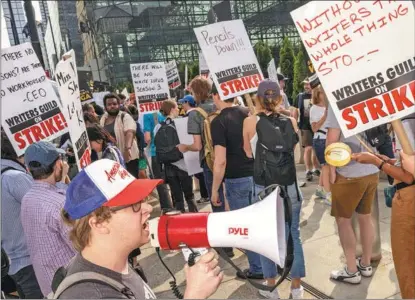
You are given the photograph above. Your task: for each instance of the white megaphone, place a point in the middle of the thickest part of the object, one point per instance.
(259, 228)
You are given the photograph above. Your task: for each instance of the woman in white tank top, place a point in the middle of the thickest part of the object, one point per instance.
(269, 101)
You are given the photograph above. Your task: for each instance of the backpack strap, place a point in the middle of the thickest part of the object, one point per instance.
(81, 277)
(289, 258)
(202, 112)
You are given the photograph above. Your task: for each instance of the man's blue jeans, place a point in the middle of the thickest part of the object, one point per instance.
(298, 268)
(239, 194)
(209, 181)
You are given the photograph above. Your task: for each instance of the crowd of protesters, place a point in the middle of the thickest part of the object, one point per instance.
(95, 219)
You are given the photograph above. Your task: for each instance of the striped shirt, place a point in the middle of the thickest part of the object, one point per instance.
(14, 185)
(46, 235)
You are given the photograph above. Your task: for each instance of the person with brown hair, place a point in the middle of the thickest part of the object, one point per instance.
(106, 209)
(176, 173)
(269, 127)
(318, 116)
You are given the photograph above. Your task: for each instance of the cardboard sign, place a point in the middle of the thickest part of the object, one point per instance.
(272, 70)
(69, 90)
(31, 111)
(191, 159)
(203, 67)
(366, 66)
(230, 57)
(172, 73)
(150, 82)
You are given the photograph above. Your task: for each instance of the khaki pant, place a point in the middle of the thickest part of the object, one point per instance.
(403, 240)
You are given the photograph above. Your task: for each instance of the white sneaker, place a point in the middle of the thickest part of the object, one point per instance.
(328, 199)
(269, 295)
(297, 293)
(365, 271)
(344, 276)
(320, 193)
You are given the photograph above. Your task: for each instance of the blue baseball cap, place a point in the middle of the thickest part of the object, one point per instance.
(268, 89)
(188, 99)
(44, 153)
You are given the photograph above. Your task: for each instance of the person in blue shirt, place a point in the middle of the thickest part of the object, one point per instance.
(150, 122)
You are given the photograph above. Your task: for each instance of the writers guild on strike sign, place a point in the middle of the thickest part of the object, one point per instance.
(239, 79)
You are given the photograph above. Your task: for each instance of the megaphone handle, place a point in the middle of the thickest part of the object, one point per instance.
(192, 259)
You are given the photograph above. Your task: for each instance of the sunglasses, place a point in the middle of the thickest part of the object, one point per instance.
(136, 207)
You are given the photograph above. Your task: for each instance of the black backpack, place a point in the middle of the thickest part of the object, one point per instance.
(274, 159)
(166, 141)
(377, 136)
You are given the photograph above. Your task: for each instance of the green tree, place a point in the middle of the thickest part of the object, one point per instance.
(287, 64)
(125, 84)
(300, 72)
(264, 55)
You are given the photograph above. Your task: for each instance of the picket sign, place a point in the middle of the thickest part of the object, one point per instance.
(367, 81)
(67, 79)
(30, 108)
(230, 58)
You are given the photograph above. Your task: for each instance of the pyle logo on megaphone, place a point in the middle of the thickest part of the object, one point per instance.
(238, 231)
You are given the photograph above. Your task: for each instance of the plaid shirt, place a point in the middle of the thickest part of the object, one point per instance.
(47, 236)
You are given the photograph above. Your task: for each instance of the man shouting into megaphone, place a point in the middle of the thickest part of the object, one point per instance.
(105, 207)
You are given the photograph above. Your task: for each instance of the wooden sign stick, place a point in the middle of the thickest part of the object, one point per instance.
(250, 103)
(402, 136)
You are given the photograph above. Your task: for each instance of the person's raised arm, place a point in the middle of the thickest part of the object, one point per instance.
(408, 162)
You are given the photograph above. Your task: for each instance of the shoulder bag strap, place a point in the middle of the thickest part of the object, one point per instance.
(202, 112)
(80, 277)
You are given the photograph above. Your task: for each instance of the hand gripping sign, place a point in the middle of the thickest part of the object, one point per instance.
(230, 58)
(363, 54)
(67, 79)
(31, 111)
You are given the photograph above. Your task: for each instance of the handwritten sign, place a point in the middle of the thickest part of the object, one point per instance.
(272, 70)
(203, 67)
(69, 90)
(230, 57)
(362, 59)
(150, 84)
(31, 111)
(172, 73)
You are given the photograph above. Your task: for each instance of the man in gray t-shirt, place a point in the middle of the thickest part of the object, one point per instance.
(353, 190)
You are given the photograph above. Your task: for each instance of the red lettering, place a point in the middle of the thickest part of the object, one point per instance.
(142, 109)
(364, 13)
(58, 122)
(26, 133)
(21, 143)
(347, 115)
(344, 24)
(412, 88)
(238, 231)
(238, 85)
(375, 106)
(335, 61)
(318, 56)
(37, 133)
(151, 106)
(383, 22)
(354, 18)
(224, 89)
(230, 84)
(322, 68)
(389, 104)
(311, 43)
(378, 2)
(402, 10)
(359, 30)
(257, 79)
(63, 120)
(328, 34)
(371, 27)
(46, 132)
(360, 108)
(324, 13)
(50, 126)
(335, 11)
(317, 23)
(249, 82)
(401, 101)
(344, 5)
(335, 27)
(305, 28)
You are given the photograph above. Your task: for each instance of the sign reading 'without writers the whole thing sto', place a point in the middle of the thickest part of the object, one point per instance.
(150, 85)
(67, 79)
(30, 107)
(230, 57)
(172, 73)
(363, 53)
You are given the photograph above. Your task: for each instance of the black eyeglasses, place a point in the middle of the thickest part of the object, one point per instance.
(136, 207)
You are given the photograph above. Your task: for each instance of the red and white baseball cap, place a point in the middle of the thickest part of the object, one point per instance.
(105, 183)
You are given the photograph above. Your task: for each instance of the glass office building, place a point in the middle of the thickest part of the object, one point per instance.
(141, 31)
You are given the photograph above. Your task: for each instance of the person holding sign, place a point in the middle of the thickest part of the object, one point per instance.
(403, 211)
(123, 128)
(353, 189)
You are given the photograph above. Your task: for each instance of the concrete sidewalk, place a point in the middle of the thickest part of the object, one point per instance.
(322, 253)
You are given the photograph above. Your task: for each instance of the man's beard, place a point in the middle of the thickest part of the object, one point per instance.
(113, 113)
